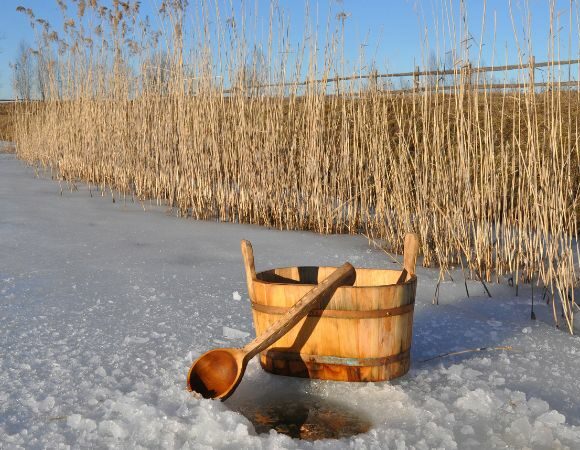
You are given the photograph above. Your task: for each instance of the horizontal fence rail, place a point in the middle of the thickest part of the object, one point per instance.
(466, 70)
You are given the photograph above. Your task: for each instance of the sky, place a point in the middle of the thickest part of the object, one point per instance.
(395, 35)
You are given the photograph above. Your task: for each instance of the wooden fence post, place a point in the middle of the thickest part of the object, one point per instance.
(374, 80)
(416, 78)
(468, 76)
(532, 74)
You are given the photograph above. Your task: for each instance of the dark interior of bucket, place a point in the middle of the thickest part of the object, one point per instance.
(315, 274)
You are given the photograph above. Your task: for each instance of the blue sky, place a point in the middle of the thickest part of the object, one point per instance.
(391, 32)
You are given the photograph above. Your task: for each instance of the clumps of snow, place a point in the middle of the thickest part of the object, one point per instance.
(233, 333)
(537, 406)
(46, 405)
(467, 430)
(112, 428)
(96, 350)
(78, 422)
(478, 401)
(135, 340)
(552, 418)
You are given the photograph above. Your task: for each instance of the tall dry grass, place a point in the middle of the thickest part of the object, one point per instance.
(489, 179)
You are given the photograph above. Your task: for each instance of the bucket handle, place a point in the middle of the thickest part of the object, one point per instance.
(410, 253)
(248, 255)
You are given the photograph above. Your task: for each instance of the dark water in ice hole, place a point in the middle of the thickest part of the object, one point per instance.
(303, 416)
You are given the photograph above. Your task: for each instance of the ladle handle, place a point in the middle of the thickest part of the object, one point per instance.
(345, 274)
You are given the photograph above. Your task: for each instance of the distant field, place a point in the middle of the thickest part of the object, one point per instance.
(6, 122)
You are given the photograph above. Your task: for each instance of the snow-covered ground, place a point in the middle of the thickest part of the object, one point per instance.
(103, 306)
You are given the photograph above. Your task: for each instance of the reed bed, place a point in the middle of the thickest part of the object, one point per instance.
(489, 179)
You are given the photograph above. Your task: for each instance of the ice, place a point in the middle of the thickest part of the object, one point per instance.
(109, 427)
(477, 401)
(519, 432)
(135, 340)
(542, 437)
(47, 404)
(538, 406)
(552, 418)
(467, 430)
(74, 420)
(95, 353)
(233, 333)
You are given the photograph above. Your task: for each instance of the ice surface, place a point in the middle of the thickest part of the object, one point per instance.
(104, 306)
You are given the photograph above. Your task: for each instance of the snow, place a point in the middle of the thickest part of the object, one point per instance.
(104, 306)
(232, 333)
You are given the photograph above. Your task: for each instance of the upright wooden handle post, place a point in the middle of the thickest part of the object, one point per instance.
(410, 253)
(345, 274)
(248, 255)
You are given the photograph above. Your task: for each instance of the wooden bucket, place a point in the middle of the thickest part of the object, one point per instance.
(361, 333)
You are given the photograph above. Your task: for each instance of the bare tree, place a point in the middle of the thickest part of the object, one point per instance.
(23, 72)
(157, 72)
(252, 74)
(42, 68)
(433, 65)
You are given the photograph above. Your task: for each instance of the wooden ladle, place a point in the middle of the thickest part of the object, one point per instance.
(217, 373)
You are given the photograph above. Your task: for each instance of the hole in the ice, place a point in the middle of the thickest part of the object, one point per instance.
(303, 417)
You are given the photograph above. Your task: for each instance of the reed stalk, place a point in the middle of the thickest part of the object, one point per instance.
(488, 178)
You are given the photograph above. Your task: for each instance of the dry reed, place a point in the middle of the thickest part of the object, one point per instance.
(489, 179)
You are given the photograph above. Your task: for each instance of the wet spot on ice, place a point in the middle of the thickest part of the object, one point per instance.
(304, 417)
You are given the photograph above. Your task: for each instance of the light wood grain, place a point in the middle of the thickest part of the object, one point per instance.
(342, 339)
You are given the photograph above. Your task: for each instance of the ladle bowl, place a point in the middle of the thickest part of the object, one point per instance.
(217, 373)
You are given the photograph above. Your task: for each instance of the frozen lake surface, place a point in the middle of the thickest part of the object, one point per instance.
(104, 306)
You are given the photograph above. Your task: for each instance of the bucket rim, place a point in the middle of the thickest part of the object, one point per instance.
(411, 280)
